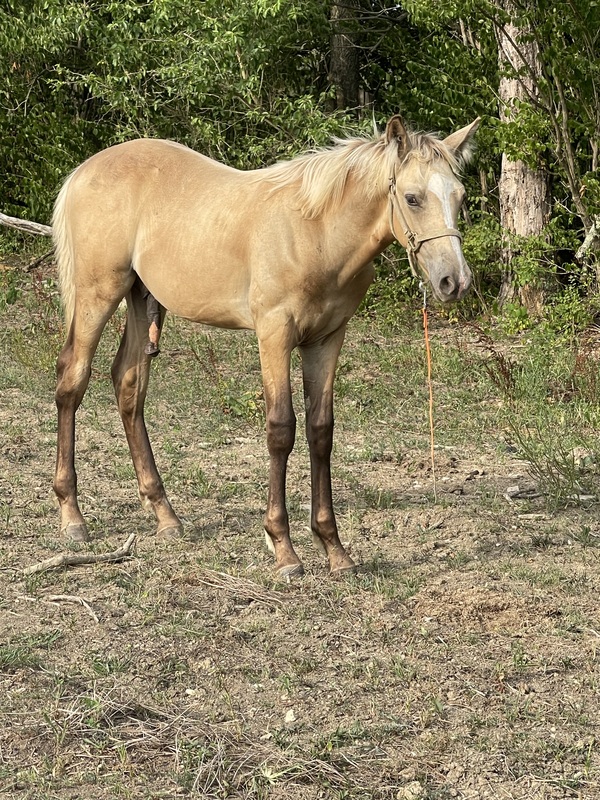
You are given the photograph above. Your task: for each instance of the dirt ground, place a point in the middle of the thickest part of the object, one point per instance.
(462, 661)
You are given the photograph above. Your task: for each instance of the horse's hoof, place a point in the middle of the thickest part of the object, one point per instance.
(291, 571)
(345, 566)
(76, 532)
(343, 572)
(170, 532)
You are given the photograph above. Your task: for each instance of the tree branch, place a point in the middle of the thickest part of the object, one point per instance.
(75, 559)
(25, 225)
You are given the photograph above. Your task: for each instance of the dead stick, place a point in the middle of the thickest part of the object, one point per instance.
(25, 225)
(37, 261)
(76, 559)
(72, 598)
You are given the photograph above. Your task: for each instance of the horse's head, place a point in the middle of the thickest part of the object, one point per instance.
(424, 202)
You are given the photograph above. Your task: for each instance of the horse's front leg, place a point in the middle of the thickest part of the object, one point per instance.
(275, 350)
(318, 367)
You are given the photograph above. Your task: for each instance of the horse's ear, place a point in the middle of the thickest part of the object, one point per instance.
(395, 131)
(461, 142)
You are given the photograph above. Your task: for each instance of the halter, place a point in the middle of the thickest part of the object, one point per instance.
(414, 240)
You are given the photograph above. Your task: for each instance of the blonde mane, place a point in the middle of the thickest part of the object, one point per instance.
(320, 177)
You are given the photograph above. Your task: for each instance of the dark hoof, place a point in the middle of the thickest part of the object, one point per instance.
(291, 571)
(151, 350)
(76, 532)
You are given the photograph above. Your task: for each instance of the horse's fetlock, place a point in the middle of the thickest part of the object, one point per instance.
(276, 524)
(151, 494)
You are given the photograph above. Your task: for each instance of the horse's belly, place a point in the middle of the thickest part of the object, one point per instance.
(220, 300)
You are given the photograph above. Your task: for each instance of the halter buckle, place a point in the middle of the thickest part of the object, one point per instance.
(411, 240)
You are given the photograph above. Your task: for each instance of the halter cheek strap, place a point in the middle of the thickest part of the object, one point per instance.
(414, 240)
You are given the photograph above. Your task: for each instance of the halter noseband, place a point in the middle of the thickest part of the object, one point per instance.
(414, 240)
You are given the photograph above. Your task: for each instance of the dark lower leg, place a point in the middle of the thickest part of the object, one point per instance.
(72, 523)
(318, 366)
(323, 523)
(73, 374)
(280, 440)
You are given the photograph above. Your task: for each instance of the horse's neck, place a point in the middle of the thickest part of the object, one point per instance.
(356, 233)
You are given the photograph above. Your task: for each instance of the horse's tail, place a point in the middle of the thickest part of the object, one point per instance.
(64, 254)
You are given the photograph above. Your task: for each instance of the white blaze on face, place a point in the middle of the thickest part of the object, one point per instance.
(442, 187)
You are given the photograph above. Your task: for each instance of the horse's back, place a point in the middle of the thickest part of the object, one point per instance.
(133, 169)
(168, 213)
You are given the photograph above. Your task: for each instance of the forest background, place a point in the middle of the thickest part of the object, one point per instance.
(250, 83)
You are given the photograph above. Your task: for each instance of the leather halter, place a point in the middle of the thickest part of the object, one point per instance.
(414, 240)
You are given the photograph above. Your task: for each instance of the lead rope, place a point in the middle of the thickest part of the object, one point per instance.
(423, 288)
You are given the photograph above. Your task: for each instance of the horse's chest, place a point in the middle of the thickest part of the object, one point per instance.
(324, 303)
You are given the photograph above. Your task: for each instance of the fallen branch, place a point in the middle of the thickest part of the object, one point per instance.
(37, 261)
(76, 559)
(72, 598)
(25, 225)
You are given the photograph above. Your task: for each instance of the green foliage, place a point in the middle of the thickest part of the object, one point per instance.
(250, 83)
(482, 247)
(80, 76)
(10, 288)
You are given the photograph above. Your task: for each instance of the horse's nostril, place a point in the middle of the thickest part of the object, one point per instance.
(447, 286)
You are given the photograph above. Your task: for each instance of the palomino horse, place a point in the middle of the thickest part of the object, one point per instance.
(285, 251)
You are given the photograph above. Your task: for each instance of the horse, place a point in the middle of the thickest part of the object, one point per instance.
(286, 251)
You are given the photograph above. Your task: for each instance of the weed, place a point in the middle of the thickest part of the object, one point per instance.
(15, 656)
(10, 288)
(552, 464)
(402, 670)
(586, 537)
(22, 651)
(499, 367)
(110, 665)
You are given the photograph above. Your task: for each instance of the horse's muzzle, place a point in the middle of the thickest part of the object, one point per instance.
(452, 288)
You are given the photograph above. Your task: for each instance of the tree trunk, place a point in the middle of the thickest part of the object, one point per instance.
(344, 63)
(523, 191)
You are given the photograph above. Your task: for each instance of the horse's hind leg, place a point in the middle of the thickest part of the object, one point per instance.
(130, 372)
(73, 373)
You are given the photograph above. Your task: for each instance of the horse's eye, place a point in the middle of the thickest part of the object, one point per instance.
(411, 200)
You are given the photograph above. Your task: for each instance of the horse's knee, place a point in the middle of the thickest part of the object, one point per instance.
(319, 435)
(281, 433)
(130, 384)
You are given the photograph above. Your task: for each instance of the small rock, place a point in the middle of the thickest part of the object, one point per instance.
(412, 791)
(290, 717)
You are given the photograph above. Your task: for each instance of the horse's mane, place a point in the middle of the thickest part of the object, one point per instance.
(319, 177)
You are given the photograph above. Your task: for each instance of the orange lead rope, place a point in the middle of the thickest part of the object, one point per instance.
(423, 288)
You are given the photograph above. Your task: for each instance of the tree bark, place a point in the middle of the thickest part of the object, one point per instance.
(344, 62)
(523, 191)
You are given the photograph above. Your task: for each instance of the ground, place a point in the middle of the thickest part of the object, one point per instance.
(462, 661)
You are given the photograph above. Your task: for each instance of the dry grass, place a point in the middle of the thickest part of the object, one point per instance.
(461, 662)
